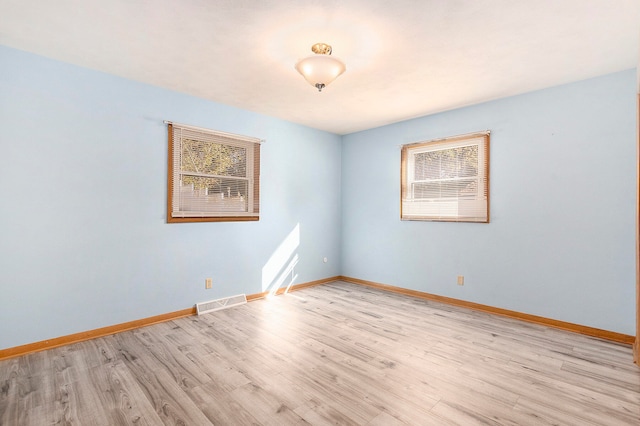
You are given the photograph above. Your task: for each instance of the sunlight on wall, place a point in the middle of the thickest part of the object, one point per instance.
(279, 269)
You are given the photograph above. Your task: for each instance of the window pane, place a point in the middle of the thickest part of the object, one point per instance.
(213, 176)
(205, 194)
(446, 179)
(446, 163)
(445, 189)
(213, 158)
(468, 161)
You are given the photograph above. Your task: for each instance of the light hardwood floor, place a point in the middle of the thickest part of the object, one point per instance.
(333, 354)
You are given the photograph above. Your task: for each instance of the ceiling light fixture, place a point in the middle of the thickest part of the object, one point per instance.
(320, 69)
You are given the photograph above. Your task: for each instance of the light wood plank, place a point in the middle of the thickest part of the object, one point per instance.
(332, 354)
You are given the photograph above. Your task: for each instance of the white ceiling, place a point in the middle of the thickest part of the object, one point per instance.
(405, 58)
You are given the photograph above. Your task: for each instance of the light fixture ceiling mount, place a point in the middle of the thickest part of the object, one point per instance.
(321, 68)
(321, 49)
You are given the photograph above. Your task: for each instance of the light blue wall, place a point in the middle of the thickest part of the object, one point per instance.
(561, 241)
(84, 241)
(77, 252)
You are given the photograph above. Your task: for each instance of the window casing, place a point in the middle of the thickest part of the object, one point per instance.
(446, 179)
(213, 176)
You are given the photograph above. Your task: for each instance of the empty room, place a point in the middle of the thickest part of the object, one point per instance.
(289, 212)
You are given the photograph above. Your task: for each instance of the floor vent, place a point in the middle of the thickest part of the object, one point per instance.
(216, 305)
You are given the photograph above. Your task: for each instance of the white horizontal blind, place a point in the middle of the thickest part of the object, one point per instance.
(214, 174)
(446, 180)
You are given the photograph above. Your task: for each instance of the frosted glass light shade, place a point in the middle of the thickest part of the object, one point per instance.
(320, 70)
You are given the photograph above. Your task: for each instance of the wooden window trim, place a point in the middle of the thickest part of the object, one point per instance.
(213, 218)
(404, 165)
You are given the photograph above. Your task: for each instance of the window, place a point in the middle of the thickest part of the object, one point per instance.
(446, 179)
(213, 176)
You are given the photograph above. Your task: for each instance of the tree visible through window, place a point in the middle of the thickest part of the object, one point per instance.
(446, 179)
(214, 176)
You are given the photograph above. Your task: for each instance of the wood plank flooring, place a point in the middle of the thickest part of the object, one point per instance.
(337, 353)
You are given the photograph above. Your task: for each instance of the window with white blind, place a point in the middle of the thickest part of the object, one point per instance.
(213, 176)
(446, 179)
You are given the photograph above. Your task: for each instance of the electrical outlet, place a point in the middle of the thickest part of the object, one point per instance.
(208, 283)
(460, 279)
